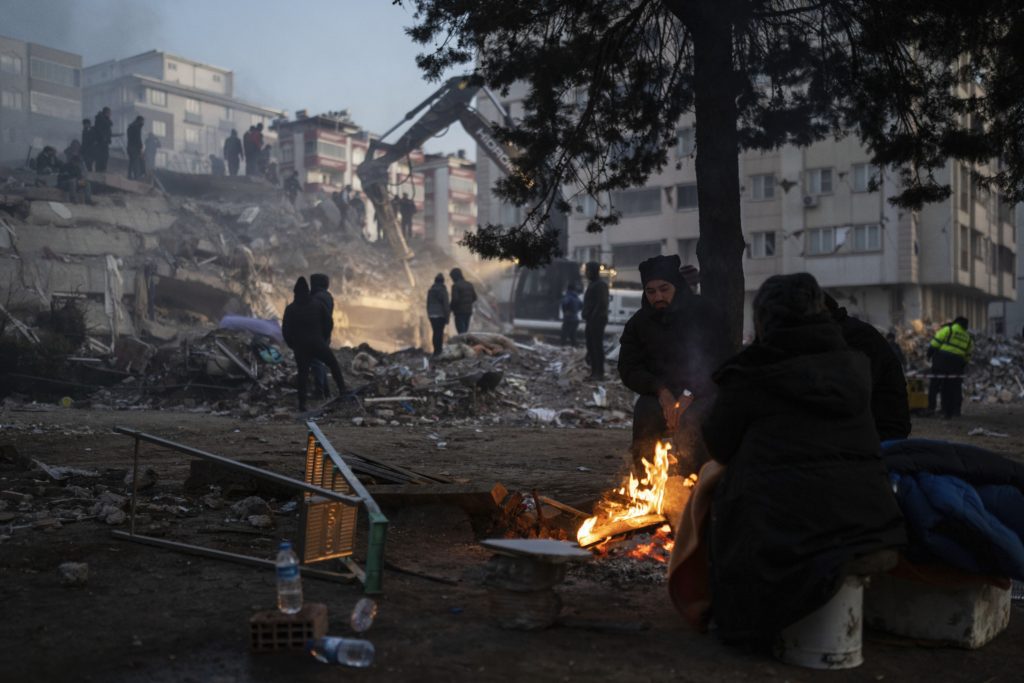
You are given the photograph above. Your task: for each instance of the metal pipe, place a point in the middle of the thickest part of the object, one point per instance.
(261, 473)
(352, 479)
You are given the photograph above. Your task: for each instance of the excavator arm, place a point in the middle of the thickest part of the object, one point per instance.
(450, 103)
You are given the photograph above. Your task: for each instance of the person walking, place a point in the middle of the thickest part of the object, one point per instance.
(233, 152)
(463, 296)
(595, 314)
(102, 135)
(571, 307)
(438, 310)
(949, 352)
(303, 327)
(134, 145)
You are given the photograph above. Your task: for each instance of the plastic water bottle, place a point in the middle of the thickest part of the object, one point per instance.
(289, 582)
(363, 615)
(347, 651)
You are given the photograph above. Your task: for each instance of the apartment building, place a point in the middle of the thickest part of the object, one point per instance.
(40, 99)
(188, 105)
(449, 200)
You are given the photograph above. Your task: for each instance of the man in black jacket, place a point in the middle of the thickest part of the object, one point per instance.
(889, 404)
(595, 315)
(136, 169)
(463, 296)
(102, 134)
(318, 289)
(672, 344)
(304, 327)
(233, 152)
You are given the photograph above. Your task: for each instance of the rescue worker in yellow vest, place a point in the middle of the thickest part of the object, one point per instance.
(949, 351)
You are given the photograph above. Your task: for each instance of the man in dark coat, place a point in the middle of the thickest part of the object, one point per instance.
(889, 404)
(672, 344)
(233, 151)
(595, 315)
(134, 146)
(463, 296)
(804, 491)
(102, 135)
(304, 326)
(251, 149)
(318, 288)
(438, 310)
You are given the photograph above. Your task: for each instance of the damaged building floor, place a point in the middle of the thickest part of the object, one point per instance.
(148, 614)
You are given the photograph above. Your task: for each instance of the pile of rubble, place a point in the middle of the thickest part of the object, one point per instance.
(994, 375)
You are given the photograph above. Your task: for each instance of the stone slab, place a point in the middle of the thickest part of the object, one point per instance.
(80, 240)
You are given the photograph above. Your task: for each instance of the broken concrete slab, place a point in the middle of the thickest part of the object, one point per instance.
(78, 240)
(102, 181)
(144, 214)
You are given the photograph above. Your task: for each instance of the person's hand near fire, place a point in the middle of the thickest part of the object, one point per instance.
(673, 408)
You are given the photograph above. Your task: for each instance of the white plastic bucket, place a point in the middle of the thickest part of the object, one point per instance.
(829, 638)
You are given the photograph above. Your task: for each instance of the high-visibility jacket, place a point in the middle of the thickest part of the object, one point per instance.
(953, 338)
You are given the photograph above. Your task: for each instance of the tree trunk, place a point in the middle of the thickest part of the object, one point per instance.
(721, 245)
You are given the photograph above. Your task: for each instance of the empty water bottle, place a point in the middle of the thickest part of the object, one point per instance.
(363, 615)
(289, 582)
(347, 651)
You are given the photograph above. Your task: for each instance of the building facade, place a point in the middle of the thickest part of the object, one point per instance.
(188, 105)
(40, 99)
(449, 201)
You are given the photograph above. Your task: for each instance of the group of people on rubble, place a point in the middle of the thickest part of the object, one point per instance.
(307, 327)
(441, 308)
(787, 435)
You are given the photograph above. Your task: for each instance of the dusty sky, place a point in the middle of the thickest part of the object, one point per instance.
(317, 55)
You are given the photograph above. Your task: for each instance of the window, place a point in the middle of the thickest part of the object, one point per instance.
(9, 64)
(159, 129)
(216, 78)
(56, 107)
(287, 153)
(630, 255)
(171, 66)
(462, 208)
(326, 149)
(762, 245)
(978, 246)
(11, 99)
(685, 142)
(192, 135)
(1005, 210)
(53, 72)
(587, 206)
(965, 248)
(821, 241)
(687, 250)
(965, 188)
(463, 185)
(865, 178)
(192, 106)
(819, 181)
(867, 238)
(762, 186)
(638, 202)
(158, 97)
(686, 197)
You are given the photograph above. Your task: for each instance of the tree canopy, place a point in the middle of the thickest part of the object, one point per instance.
(917, 81)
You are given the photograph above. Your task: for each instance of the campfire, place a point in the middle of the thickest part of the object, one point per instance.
(633, 513)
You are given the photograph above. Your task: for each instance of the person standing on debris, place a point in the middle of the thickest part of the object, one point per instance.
(233, 152)
(292, 186)
(595, 314)
(152, 145)
(571, 307)
(890, 406)
(438, 310)
(134, 145)
(72, 180)
(463, 296)
(804, 491)
(669, 346)
(407, 209)
(949, 352)
(88, 144)
(318, 286)
(103, 134)
(358, 213)
(304, 325)
(251, 151)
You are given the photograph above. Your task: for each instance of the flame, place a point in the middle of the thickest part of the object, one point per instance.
(636, 497)
(658, 549)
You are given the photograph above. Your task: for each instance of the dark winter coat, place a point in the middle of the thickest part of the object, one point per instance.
(324, 298)
(463, 294)
(805, 490)
(889, 404)
(437, 301)
(305, 323)
(232, 147)
(102, 131)
(677, 348)
(595, 302)
(134, 141)
(571, 306)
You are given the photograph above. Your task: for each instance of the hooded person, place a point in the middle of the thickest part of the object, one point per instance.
(304, 327)
(889, 404)
(804, 492)
(463, 296)
(438, 311)
(669, 346)
(595, 315)
(318, 284)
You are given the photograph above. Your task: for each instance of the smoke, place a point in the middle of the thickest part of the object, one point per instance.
(98, 30)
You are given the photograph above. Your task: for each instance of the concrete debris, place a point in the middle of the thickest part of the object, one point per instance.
(73, 573)
(147, 478)
(252, 506)
(260, 521)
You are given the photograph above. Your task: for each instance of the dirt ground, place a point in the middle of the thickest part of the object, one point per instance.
(149, 614)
